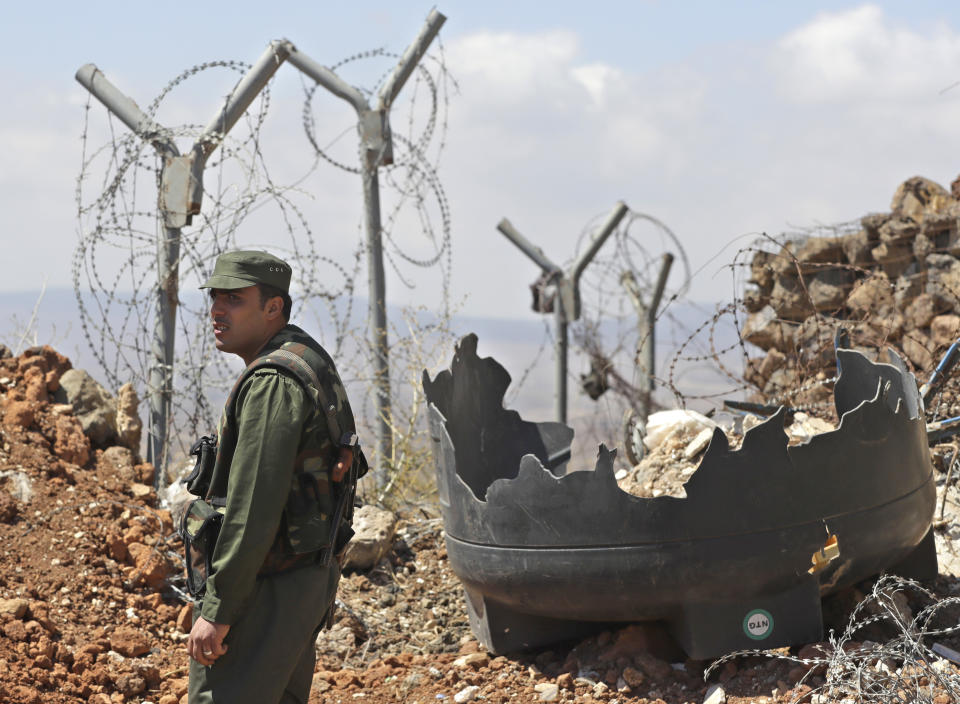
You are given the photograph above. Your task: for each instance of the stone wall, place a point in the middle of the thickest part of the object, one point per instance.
(893, 283)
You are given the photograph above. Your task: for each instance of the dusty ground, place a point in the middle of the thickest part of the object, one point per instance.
(91, 610)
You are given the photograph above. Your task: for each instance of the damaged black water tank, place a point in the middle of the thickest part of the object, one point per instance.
(765, 530)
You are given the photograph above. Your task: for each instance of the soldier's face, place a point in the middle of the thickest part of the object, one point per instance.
(240, 324)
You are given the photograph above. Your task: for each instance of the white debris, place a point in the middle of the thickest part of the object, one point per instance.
(549, 691)
(662, 423)
(19, 484)
(698, 444)
(467, 694)
(805, 427)
(715, 695)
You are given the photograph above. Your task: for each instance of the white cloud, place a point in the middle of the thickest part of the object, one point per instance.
(597, 79)
(861, 54)
(817, 126)
(514, 67)
(534, 96)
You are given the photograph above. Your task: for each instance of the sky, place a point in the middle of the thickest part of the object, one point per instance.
(721, 120)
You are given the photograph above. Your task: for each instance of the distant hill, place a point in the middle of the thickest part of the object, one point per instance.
(524, 346)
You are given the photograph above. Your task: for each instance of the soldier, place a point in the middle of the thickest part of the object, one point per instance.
(286, 449)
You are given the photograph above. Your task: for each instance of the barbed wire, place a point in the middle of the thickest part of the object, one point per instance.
(774, 342)
(903, 668)
(413, 174)
(114, 268)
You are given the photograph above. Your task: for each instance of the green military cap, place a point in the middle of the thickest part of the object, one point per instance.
(240, 269)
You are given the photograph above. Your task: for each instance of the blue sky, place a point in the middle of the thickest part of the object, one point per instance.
(723, 120)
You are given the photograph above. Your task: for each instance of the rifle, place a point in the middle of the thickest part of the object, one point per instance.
(345, 491)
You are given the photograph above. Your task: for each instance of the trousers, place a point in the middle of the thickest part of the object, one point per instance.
(270, 650)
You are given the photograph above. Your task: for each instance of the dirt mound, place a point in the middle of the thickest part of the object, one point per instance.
(85, 612)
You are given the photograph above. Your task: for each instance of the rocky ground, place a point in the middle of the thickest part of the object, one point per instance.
(91, 608)
(91, 602)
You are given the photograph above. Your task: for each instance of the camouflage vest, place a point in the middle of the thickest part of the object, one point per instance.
(307, 519)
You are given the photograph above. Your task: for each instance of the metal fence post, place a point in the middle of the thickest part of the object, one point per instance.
(566, 302)
(646, 329)
(180, 194)
(376, 150)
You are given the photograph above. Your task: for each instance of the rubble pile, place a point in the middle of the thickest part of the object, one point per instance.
(894, 282)
(676, 440)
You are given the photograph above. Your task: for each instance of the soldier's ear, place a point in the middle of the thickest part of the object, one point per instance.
(274, 307)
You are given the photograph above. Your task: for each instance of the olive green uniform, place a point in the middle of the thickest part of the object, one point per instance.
(274, 617)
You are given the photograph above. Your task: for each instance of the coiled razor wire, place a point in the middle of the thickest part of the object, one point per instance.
(413, 174)
(711, 347)
(809, 357)
(115, 270)
(607, 332)
(904, 668)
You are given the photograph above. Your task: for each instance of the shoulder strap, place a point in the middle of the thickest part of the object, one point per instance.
(285, 358)
(301, 367)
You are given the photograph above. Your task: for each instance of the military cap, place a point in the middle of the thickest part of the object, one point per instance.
(240, 269)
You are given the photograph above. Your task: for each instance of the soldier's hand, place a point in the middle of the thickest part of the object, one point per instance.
(343, 463)
(205, 643)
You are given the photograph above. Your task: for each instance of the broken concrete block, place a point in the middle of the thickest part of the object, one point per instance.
(774, 360)
(129, 425)
(908, 285)
(893, 257)
(374, 528)
(922, 246)
(920, 312)
(872, 223)
(754, 300)
(663, 423)
(856, 248)
(919, 349)
(899, 230)
(93, 406)
(698, 444)
(806, 426)
(761, 272)
(828, 289)
(943, 279)
(715, 695)
(780, 381)
(790, 300)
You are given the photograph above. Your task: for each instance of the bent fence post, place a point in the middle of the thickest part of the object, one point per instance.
(373, 124)
(566, 304)
(646, 330)
(179, 198)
